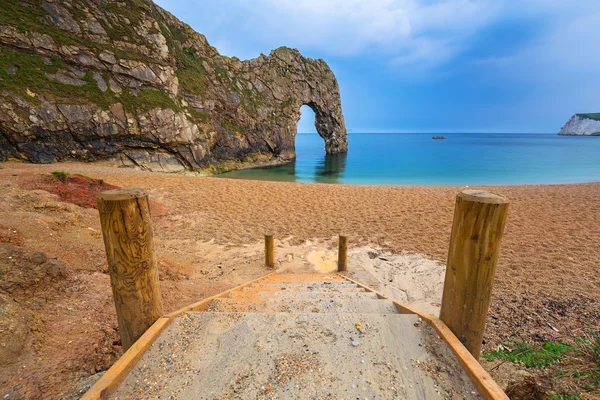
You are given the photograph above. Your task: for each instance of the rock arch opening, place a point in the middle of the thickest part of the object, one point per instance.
(329, 125)
(306, 122)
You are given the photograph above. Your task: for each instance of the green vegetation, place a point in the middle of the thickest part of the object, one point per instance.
(588, 349)
(252, 100)
(61, 176)
(222, 74)
(198, 115)
(531, 356)
(29, 16)
(31, 74)
(132, 12)
(595, 116)
(191, 73)
(570, 365)
(147, 99)
(227, 124)
(565, 396)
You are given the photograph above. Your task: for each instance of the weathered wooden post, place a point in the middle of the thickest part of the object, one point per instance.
(269, 250)
(343, 253)
(477, 229)
(127, 231)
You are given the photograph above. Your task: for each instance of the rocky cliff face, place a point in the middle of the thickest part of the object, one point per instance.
(96, 79)
(582, 125)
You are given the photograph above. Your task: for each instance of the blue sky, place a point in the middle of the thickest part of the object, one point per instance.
(427, 65)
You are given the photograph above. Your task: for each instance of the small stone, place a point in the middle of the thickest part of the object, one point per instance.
(355, 342)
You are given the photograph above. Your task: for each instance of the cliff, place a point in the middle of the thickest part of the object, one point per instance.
(582, 125)
(126, 80)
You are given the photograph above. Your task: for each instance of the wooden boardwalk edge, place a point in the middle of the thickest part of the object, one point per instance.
(485, 385)
(106, 385)
(198, 305)
(111, 378)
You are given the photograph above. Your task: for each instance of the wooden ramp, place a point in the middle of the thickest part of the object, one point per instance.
(300, 336)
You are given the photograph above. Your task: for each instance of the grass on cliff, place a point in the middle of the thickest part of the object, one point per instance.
(594, 116)
(30, 16)
(31, 74)
(191, 73)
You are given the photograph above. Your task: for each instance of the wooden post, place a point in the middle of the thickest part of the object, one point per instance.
(343, 253)
(477, 229)
(127, 231)
(269, 250)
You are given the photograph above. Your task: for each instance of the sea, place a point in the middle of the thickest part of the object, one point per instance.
(462, 159)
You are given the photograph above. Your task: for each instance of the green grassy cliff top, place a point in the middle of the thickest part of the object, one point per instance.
(595, 116)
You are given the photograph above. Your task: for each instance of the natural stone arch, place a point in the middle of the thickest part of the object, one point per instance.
(329, 123)
(188, 106)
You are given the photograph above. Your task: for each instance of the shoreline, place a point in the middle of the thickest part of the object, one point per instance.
(403, 185)
(80, 165)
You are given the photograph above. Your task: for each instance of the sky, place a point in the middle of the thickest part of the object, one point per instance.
(427, 65)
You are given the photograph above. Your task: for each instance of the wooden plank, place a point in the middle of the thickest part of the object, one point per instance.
(198, 306)
(402, 308)
(477, 228)
(103, 388)
(128, 239)
(485, 385)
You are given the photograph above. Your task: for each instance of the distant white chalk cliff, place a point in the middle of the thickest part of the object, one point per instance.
(582, 125)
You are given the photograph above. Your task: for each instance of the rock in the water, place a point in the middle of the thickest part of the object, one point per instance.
(181, 105)
(582, 125)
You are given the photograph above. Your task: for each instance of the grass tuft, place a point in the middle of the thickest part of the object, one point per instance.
(565, 396)
(531, 356)
(587, 372)
(61, 176)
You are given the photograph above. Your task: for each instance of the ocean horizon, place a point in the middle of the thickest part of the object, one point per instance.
(462, 159)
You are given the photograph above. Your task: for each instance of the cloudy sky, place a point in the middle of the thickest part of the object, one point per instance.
(427, 65)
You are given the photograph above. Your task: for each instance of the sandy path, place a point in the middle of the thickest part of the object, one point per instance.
(300, 356)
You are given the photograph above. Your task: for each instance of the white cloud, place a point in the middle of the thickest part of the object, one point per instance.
(407, 31)
(427, 33)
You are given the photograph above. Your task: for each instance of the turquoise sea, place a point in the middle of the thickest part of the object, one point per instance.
(461, 159)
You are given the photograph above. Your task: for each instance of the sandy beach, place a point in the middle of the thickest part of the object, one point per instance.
(208, 234)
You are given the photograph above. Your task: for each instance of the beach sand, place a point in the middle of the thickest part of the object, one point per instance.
(210, 231)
